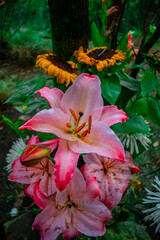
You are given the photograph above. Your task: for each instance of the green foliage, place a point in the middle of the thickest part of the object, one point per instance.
(149, 82)
(98, 39)
(15, 126)
(135, 124)
(111, 88)
(26, 90)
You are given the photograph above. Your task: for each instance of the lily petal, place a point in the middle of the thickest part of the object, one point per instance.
(49, 121)
(89, 221)
(52, 144)
(102, 140)
(66, 162)
(53, 95)
(33, 140)
(84, 95)
(111, 115)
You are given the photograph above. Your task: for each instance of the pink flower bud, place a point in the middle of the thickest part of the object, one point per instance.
(33, 154)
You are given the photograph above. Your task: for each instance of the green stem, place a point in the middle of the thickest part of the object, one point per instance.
(52, 159)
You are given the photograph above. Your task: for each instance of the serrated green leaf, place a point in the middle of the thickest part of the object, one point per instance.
(148, 83)
(135, 124)
(111, 88)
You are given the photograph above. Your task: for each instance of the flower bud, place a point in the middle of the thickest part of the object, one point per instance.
(33, 154)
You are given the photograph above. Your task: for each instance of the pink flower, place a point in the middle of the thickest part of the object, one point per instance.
(113, 9)
(43, 172)
(80, 120)
(134, 52)
(75, 211)
(112, 176)
(130, 44)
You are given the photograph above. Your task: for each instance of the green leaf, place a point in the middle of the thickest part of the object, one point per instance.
(111, 88)
(32, 106)
(96, 36)
(135, 124)
(153, 110)
(123, 43)
(27, 90)
(128, 81)
(141, 107)
(152, 29)
(148, 83)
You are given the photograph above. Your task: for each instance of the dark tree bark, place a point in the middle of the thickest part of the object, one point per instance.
(69, 23)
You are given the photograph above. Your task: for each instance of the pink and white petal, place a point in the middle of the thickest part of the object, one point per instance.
(77, 186)
(26, 175)
(47, 184)
(93, 158)
(70, 233)
(53, 95)
(97, 210)
(41, 198)
(49, 121)
(102, 140)
(111, 115)
(84, 95)
(129, 163)
(52, 144)
(93, 189)
(33, 140)
(66, 162)
(29, 190)
(85, 223)
(50, 227)
(111, 194)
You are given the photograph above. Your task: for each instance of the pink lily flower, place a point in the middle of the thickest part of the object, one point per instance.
(130, 44)
(38, 192)
(112, 176)
(80, 120)
(74, 212)
(43, 172)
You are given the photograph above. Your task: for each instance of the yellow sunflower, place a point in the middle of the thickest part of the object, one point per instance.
(101, 57)
(54, 66)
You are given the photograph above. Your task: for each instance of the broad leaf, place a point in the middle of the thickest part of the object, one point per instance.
(154, 110)
(111, 88)
(135, 124)
(148, 83)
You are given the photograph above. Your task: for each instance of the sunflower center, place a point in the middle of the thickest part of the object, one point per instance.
(101, 54)
(74, 127)
(60, 63)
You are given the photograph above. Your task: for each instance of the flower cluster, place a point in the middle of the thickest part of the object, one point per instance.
(73, 201)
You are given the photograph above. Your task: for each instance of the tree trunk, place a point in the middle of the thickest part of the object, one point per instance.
(69, 26)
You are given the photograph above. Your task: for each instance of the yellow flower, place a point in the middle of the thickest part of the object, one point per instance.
(101, 57)
(24, 107)
(54, 66)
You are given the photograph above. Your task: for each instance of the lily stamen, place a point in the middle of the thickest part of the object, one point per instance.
(89, 124)
(68, 125)
(73, 114)
(84, 133)
(80, 127)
